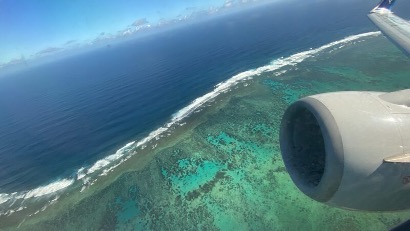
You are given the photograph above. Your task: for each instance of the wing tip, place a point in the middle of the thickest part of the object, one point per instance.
(384, 5)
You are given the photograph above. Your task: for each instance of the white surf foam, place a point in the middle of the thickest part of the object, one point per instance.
(226, 86)
(125, 152)
(48, 189)
(273, 66)
(100, 164)
(81, 173)
(4, 197)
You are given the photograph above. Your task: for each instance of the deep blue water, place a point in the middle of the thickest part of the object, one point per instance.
(69, 113)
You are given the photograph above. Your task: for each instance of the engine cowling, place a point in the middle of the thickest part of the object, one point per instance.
(349, 149)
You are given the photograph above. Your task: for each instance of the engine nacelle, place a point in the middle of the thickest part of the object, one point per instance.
(350, 149)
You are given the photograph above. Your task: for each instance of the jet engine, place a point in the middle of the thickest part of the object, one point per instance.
(350, 149)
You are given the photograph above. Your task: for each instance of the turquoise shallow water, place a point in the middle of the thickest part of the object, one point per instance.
(223, 170)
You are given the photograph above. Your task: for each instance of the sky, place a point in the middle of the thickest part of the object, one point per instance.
(30, 26)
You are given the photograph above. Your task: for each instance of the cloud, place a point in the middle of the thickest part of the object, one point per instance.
(140, 22)
(70, 42)
(228, 3)
(48, 50)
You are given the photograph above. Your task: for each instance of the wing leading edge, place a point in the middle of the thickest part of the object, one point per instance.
(394, 27)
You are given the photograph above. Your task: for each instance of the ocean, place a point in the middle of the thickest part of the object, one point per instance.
(59, 117)
(90, 140)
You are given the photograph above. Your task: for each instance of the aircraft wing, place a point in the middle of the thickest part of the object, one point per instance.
(394, 27)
